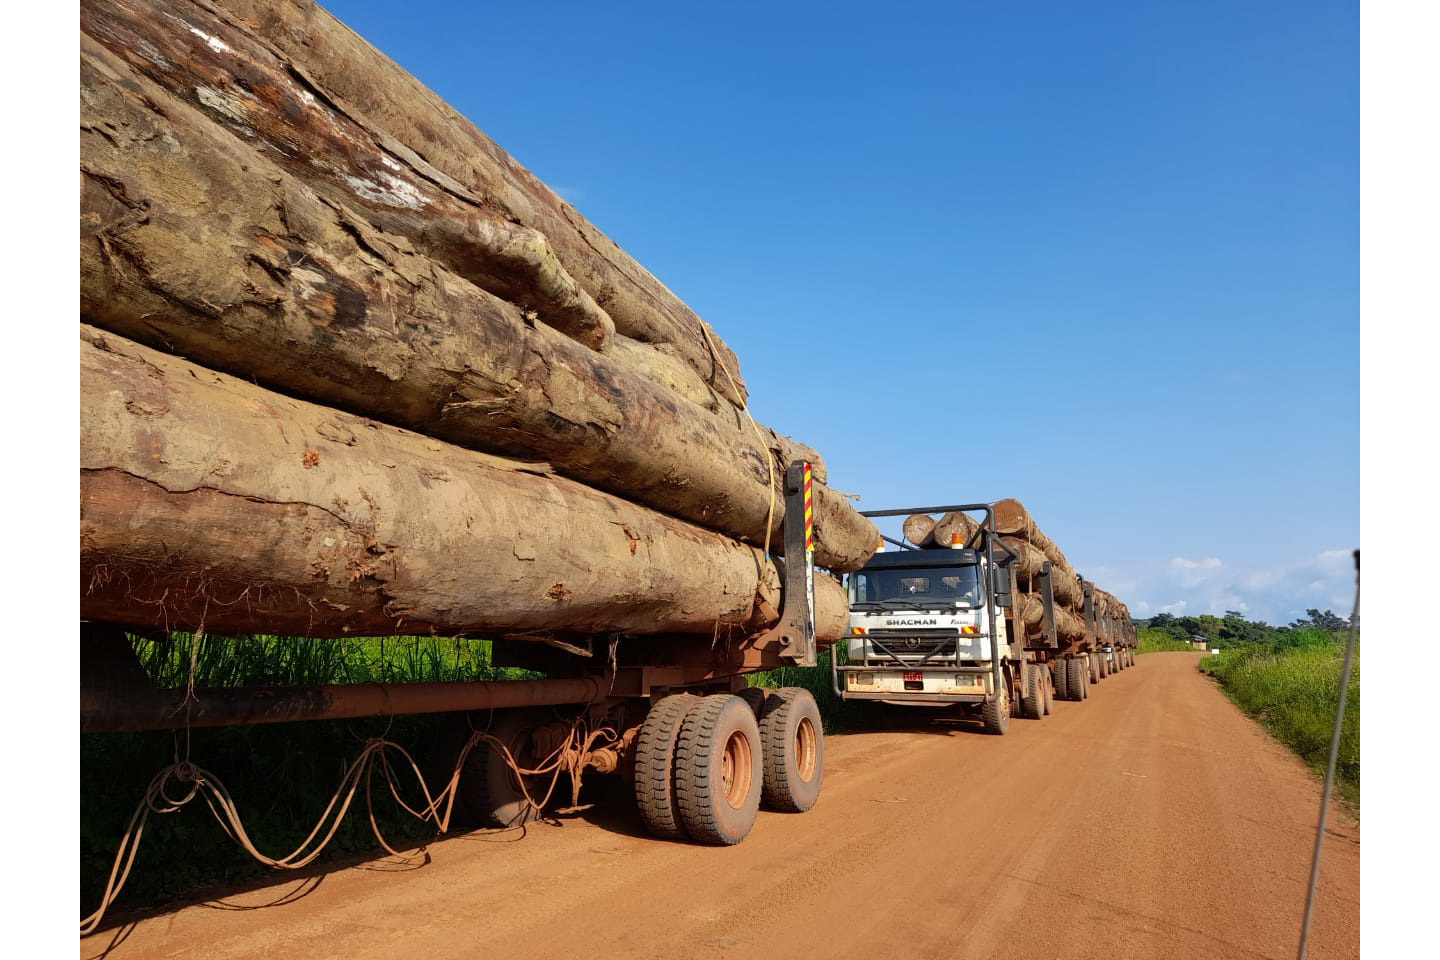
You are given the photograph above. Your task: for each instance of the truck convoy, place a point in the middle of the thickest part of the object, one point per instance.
(964, 617)
(349, 370)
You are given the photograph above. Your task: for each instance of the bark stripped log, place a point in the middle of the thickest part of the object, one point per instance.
(211, 251)
(272, 99)
(208, 500)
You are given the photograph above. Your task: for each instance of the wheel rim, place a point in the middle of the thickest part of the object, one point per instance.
(735, 770)
(805, 751)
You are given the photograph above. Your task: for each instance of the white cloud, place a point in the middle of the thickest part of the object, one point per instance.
(1273, 593)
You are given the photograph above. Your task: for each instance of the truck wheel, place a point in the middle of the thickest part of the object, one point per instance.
(489, 789)
(1047, 686)
(756, 697)
(1076, 675)
(792, 743)
(996, 713)
(1093, 666)
(1102, 664)
(1069, 683)
(655, 767)
(717, 775)
(1082, 675)
(1032, 705)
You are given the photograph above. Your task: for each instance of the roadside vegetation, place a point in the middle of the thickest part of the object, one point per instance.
(1287, 678)
(1158, 641)
(281, 776)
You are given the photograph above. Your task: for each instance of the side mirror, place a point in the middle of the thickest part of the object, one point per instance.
(1000, 580)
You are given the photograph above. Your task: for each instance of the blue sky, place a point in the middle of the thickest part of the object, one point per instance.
(1102, 257)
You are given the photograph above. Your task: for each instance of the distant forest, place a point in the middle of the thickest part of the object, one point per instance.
(1233, 630)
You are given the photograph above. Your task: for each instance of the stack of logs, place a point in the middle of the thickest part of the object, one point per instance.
(348, 369)
(1015, 528)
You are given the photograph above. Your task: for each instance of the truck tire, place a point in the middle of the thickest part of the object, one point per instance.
(996, 713)
(718, 770)
(1047, 685)
(1070, 683)
(1032, 705)
(1092, 662)
(1076, 675)
(756, 697)
(1082, 675)
(489, 789)
(1103, 664)
(792, 743)
(655, 767)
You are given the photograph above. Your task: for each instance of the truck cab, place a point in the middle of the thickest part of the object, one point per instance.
(920, 624)
(933, 626)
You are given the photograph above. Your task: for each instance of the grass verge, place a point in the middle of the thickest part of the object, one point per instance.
(1292, 691)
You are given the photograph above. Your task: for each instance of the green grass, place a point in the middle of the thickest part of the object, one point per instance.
(281, 775)
(835, 714)
(1158, 641)
(1292, 689)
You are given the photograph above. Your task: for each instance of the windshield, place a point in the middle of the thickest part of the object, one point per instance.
(919, 586)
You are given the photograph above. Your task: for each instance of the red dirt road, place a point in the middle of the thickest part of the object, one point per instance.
(1151, 821)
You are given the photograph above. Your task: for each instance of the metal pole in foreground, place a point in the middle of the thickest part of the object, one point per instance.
(1330, 765)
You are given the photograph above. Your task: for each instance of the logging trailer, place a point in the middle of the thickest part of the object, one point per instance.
(941, 628)
(701, 747)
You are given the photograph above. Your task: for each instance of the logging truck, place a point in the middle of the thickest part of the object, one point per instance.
(673, 713)
(967, 623)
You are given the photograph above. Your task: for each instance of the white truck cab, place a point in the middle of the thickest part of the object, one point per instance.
(920, 624)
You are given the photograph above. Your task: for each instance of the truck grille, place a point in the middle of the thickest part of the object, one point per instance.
(914, 643)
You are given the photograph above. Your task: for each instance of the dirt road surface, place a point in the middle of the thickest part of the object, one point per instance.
(1152, 821)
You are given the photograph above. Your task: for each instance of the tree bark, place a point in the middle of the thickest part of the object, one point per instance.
(243, 89)
(206, 500)
(211, 251)
(267, 98)
(1013, 519)
(354, 73)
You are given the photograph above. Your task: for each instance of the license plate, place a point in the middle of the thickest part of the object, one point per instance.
(913, 676)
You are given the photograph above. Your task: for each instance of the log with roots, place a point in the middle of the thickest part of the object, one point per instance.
(206, 500)
(194, 242)
(367, 135)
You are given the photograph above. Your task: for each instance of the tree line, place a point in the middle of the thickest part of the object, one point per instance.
(1234, 630)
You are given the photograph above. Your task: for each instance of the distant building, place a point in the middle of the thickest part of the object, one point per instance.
(1198, 642)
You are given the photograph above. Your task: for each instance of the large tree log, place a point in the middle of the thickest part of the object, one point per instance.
(354, 74)
(211, 251)
(260, 94)
(949, 525)
(918, 528)
(1013, 519)
(206, 500)
(242, 87)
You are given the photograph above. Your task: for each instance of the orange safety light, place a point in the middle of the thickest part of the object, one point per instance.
(857, 631)
(969, 629)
